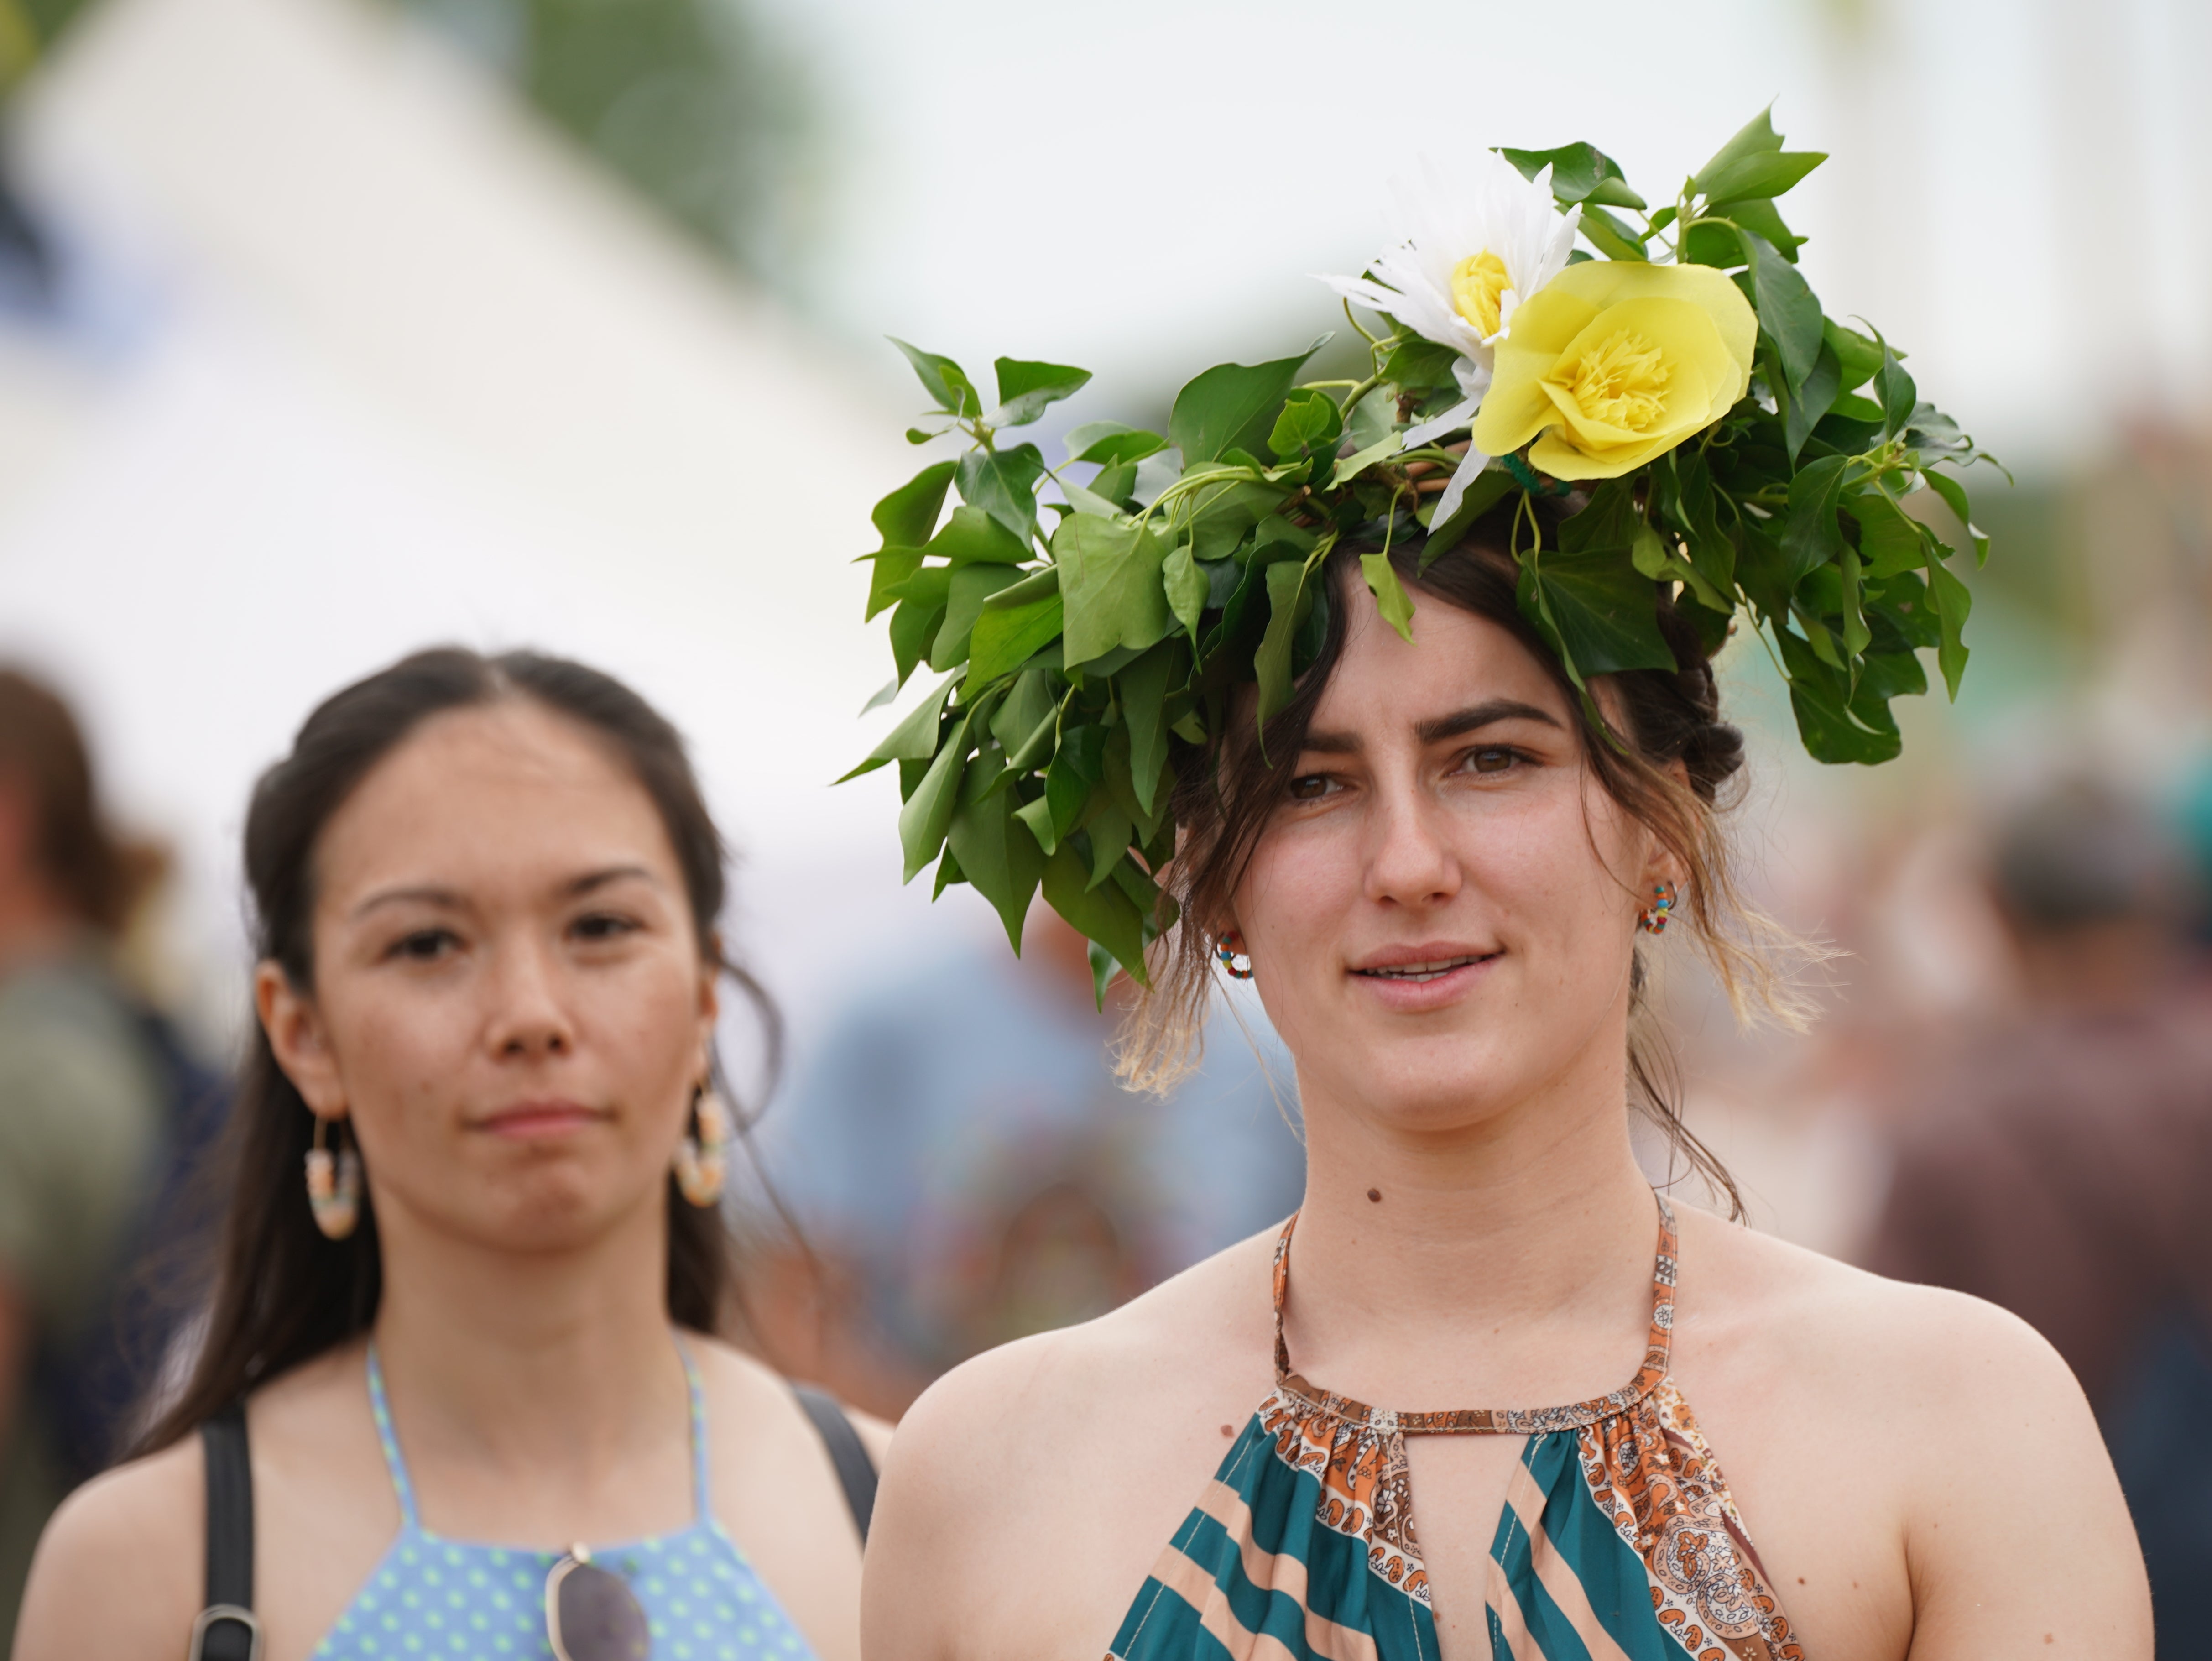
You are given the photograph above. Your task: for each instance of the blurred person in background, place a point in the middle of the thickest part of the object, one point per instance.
(967, 1170)
(87, 1077)
(2056, 1162)
(475, 1257)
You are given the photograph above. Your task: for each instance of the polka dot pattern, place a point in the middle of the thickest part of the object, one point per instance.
(433, 1597)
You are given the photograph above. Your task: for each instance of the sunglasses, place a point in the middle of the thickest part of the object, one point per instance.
(592, 1615)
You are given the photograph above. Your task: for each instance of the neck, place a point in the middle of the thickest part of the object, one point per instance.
(1503, 1247)
(559, 1359)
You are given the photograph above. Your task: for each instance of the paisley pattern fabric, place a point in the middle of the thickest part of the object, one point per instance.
(1618, 1538)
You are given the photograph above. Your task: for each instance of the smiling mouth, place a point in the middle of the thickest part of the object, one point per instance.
(1425, 971)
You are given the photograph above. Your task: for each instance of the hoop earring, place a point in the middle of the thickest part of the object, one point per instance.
(702, 1161)
(1654, 920)
(1230, 948)
(333, 1184)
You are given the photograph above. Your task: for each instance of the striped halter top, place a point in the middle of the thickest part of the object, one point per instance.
(1618, 1539)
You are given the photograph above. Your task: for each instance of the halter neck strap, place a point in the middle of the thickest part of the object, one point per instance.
(403, 1487)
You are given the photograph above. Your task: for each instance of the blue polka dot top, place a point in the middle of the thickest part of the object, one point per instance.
(432, 1596)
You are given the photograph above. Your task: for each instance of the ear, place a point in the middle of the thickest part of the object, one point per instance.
(710, 999)
(299, 1040)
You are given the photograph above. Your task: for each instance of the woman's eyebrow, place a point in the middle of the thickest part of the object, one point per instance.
(1477, 716)
(1456, 725)
(596, 879)
(445, 898)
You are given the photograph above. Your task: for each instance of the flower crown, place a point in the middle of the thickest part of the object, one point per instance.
(1721, 436)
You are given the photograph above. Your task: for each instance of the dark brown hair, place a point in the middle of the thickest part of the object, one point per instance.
(101, 877)
(282, 1293)
(1226, 790)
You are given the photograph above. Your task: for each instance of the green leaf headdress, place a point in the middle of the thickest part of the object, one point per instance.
(1721, 435)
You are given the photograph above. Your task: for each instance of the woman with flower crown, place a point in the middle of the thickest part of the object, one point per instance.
(1396, 696)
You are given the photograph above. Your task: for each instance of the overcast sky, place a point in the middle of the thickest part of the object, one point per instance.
(1143, 187)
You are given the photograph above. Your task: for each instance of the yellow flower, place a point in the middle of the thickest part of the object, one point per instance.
(1614, 362)
(1478, 284)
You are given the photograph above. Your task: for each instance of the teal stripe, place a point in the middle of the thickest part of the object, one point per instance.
(1161, 1624)
(1612, 1576)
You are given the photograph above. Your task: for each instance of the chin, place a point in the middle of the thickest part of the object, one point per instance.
(1431, 1085)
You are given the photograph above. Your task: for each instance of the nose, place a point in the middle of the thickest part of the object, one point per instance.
(1410, 859)
(528, 1018)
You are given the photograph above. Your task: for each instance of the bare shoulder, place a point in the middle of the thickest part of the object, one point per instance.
(1860, 1421)
(140, 1525)
(1029, 1490)
(1750, 1298)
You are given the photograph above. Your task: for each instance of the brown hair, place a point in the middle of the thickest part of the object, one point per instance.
(1226, 790)
(100, 876)
(282, 1293)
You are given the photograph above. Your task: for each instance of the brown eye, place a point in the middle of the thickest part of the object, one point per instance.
(1490, 761)
(1312, 787)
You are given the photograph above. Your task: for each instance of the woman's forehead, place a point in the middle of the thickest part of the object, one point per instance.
(1455, 659)
(507, 788)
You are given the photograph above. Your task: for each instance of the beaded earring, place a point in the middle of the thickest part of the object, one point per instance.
(333, 1184)
(1654, 920)
(1230, 948)
(702, 1161)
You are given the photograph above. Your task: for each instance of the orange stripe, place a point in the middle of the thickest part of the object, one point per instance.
(1187, 1581)
(1556, 1573)
(1507, 1609)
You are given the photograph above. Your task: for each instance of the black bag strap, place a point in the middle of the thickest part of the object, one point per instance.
(856, 1472)
(227, 1629)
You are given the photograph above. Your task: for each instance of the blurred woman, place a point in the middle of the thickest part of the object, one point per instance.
(85, 1098)
(1441, 902)
(475, 1259)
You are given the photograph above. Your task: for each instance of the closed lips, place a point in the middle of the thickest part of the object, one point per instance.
(1423, 972)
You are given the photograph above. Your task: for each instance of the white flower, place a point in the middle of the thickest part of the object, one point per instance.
(1475, 247)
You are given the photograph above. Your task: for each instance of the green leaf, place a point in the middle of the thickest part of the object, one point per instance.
(1766, 176)
(1897, 393)
(1890, 541)
(909, 515)
(1492, 486)
(1860, 358)
(973, 537)
(1757, 137)
(1229, 405)
(1109, 443)
(1187, 587)
(1026, 389)
(1110, 579)
(1955, 497)
(1309, 424)
(1037, 817)
(1834, 728)
(998, 852)
(1810, 536)
(1789, 315)
(1104, 914)
(914, 626)
(1028, 706)
(1419, 365)
(1803, 406)
(927, 814)
(1360, 460)
(1286, 592)
(1580, 172)
(893, 566)
(1951, 603)
(1712, 242)
(1760, 215)
(1144, 684)
(942, 379)
(882, 696)
(1600, 614)
(970, 586)
(1391, 598)
(1610, 236)
(915, 739)
(1015, 623)
(1003, 483)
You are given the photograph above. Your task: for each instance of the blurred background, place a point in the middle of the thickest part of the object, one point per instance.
(331, 328)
